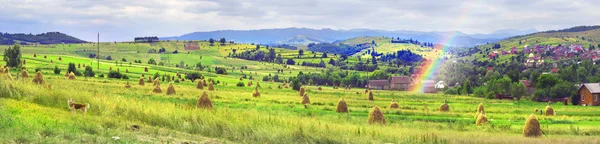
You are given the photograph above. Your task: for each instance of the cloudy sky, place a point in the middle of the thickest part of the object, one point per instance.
(119, 20)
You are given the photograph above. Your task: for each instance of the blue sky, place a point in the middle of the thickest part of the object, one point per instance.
(119, 20)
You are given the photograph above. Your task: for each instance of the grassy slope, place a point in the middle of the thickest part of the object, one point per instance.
(385, 46)
(276, 117)
(543, 38)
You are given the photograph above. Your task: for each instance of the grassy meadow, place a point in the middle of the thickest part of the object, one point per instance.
(32, 113)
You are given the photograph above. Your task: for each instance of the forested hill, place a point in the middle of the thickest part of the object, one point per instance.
(44, 38)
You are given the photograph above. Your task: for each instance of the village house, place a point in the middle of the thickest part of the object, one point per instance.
(379, 84)
(400, 82)
(429, 86)
(589, 93)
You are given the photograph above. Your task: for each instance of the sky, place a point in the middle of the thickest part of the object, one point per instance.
(122, 20)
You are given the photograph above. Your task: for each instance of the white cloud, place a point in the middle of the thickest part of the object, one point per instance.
(122, 20)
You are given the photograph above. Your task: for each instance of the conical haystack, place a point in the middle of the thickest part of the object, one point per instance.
(376, 116)
(157, 89)
(211, 87)
(394, 104)
(371, 95)
(366, 90)
(204, 82)
(301, 91)
(7, 75)
(256, 93)
(249, 83)
(141, 82)
(532, 127)
(39, 78)
(549, 110)
(127, 85)
(170, 89)
(24, 74)
(320, 88)
(200, 85)
(71, 76)
(149, 79)
(67, 74)
(204, 102)
(444, 107)
(479, 110)
(342, 107)
(305, 99)
(481, 119)
(156, 82)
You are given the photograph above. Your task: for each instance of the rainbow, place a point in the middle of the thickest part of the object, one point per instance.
(433, 60)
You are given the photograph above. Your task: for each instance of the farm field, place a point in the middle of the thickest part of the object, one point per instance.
(32, 113)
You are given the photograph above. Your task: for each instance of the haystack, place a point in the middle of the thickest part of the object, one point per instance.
(394, 104)
(156, 82)
(479, 110)
(204, 82)
(171, 89)
(249, 83)
(376, 116)
(127, 85)
(39, 78)
(532, 127)
(7, 75)
(67, 74)
(141, 81)
(320, 88)
(24, 74)
(444, 107)
(366, 90)
(211, 87)
(204, 102)
(342, 107)
(149, 79)
(549, 110)
(481, 119)
(200, 85)
(371, 95)
(157, 89)
(256, 93)
(305, 99)
(71, 76)
(301, 91)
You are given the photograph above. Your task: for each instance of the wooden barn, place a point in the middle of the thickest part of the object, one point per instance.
(401, 82)
(379, 84)
(589, 93)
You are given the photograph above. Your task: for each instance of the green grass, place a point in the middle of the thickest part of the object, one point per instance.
(31, 113)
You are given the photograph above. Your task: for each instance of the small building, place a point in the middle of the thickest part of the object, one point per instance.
(379, 84)
(429, 86)
(400, 82)
(589, 93)
(440, 85)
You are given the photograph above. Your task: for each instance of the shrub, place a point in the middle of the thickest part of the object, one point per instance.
(71, 68)
(89, 72)
(240, 84)
(220, 70)
(451, 91)
(115, 74)
(193, 76)
(296, 84)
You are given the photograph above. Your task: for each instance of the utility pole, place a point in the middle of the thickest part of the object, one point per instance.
(98, 55)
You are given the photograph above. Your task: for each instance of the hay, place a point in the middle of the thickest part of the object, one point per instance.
(127, 85)
(24, 74)
(371, 95)
(256, 93)
(342, 107)
(394, 104)
(67, 74)
(38, 78)
(149, 79)
(305, 99)
(301, 91)
(320, 88)
(204, 82)
(366, 91)
(71, 76)
(200, 85)
(204, 102)
(156, 82)
(532, 127)
(141, 82)
(170, 89)
(444, 107)
(211, 87)
(8, 75)
(479, 110)
(536, 110)
(549, 110)
(157, 89)
(481, 119)
(250, 83)
(376, 116)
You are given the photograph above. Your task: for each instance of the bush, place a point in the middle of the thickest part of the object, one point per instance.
(296, 84)
(115, 74)
(193, 76)
(479, 91)
(240, 84)
(101, 76)
(451, 91)
(220, 70)
(56, 70)
(89, 72)
(490, 95)
(71, 68)
(575, 99)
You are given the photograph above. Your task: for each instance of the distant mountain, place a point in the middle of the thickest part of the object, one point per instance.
(505, 33)
(300, 40)
(290, 36)
(44, 38)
